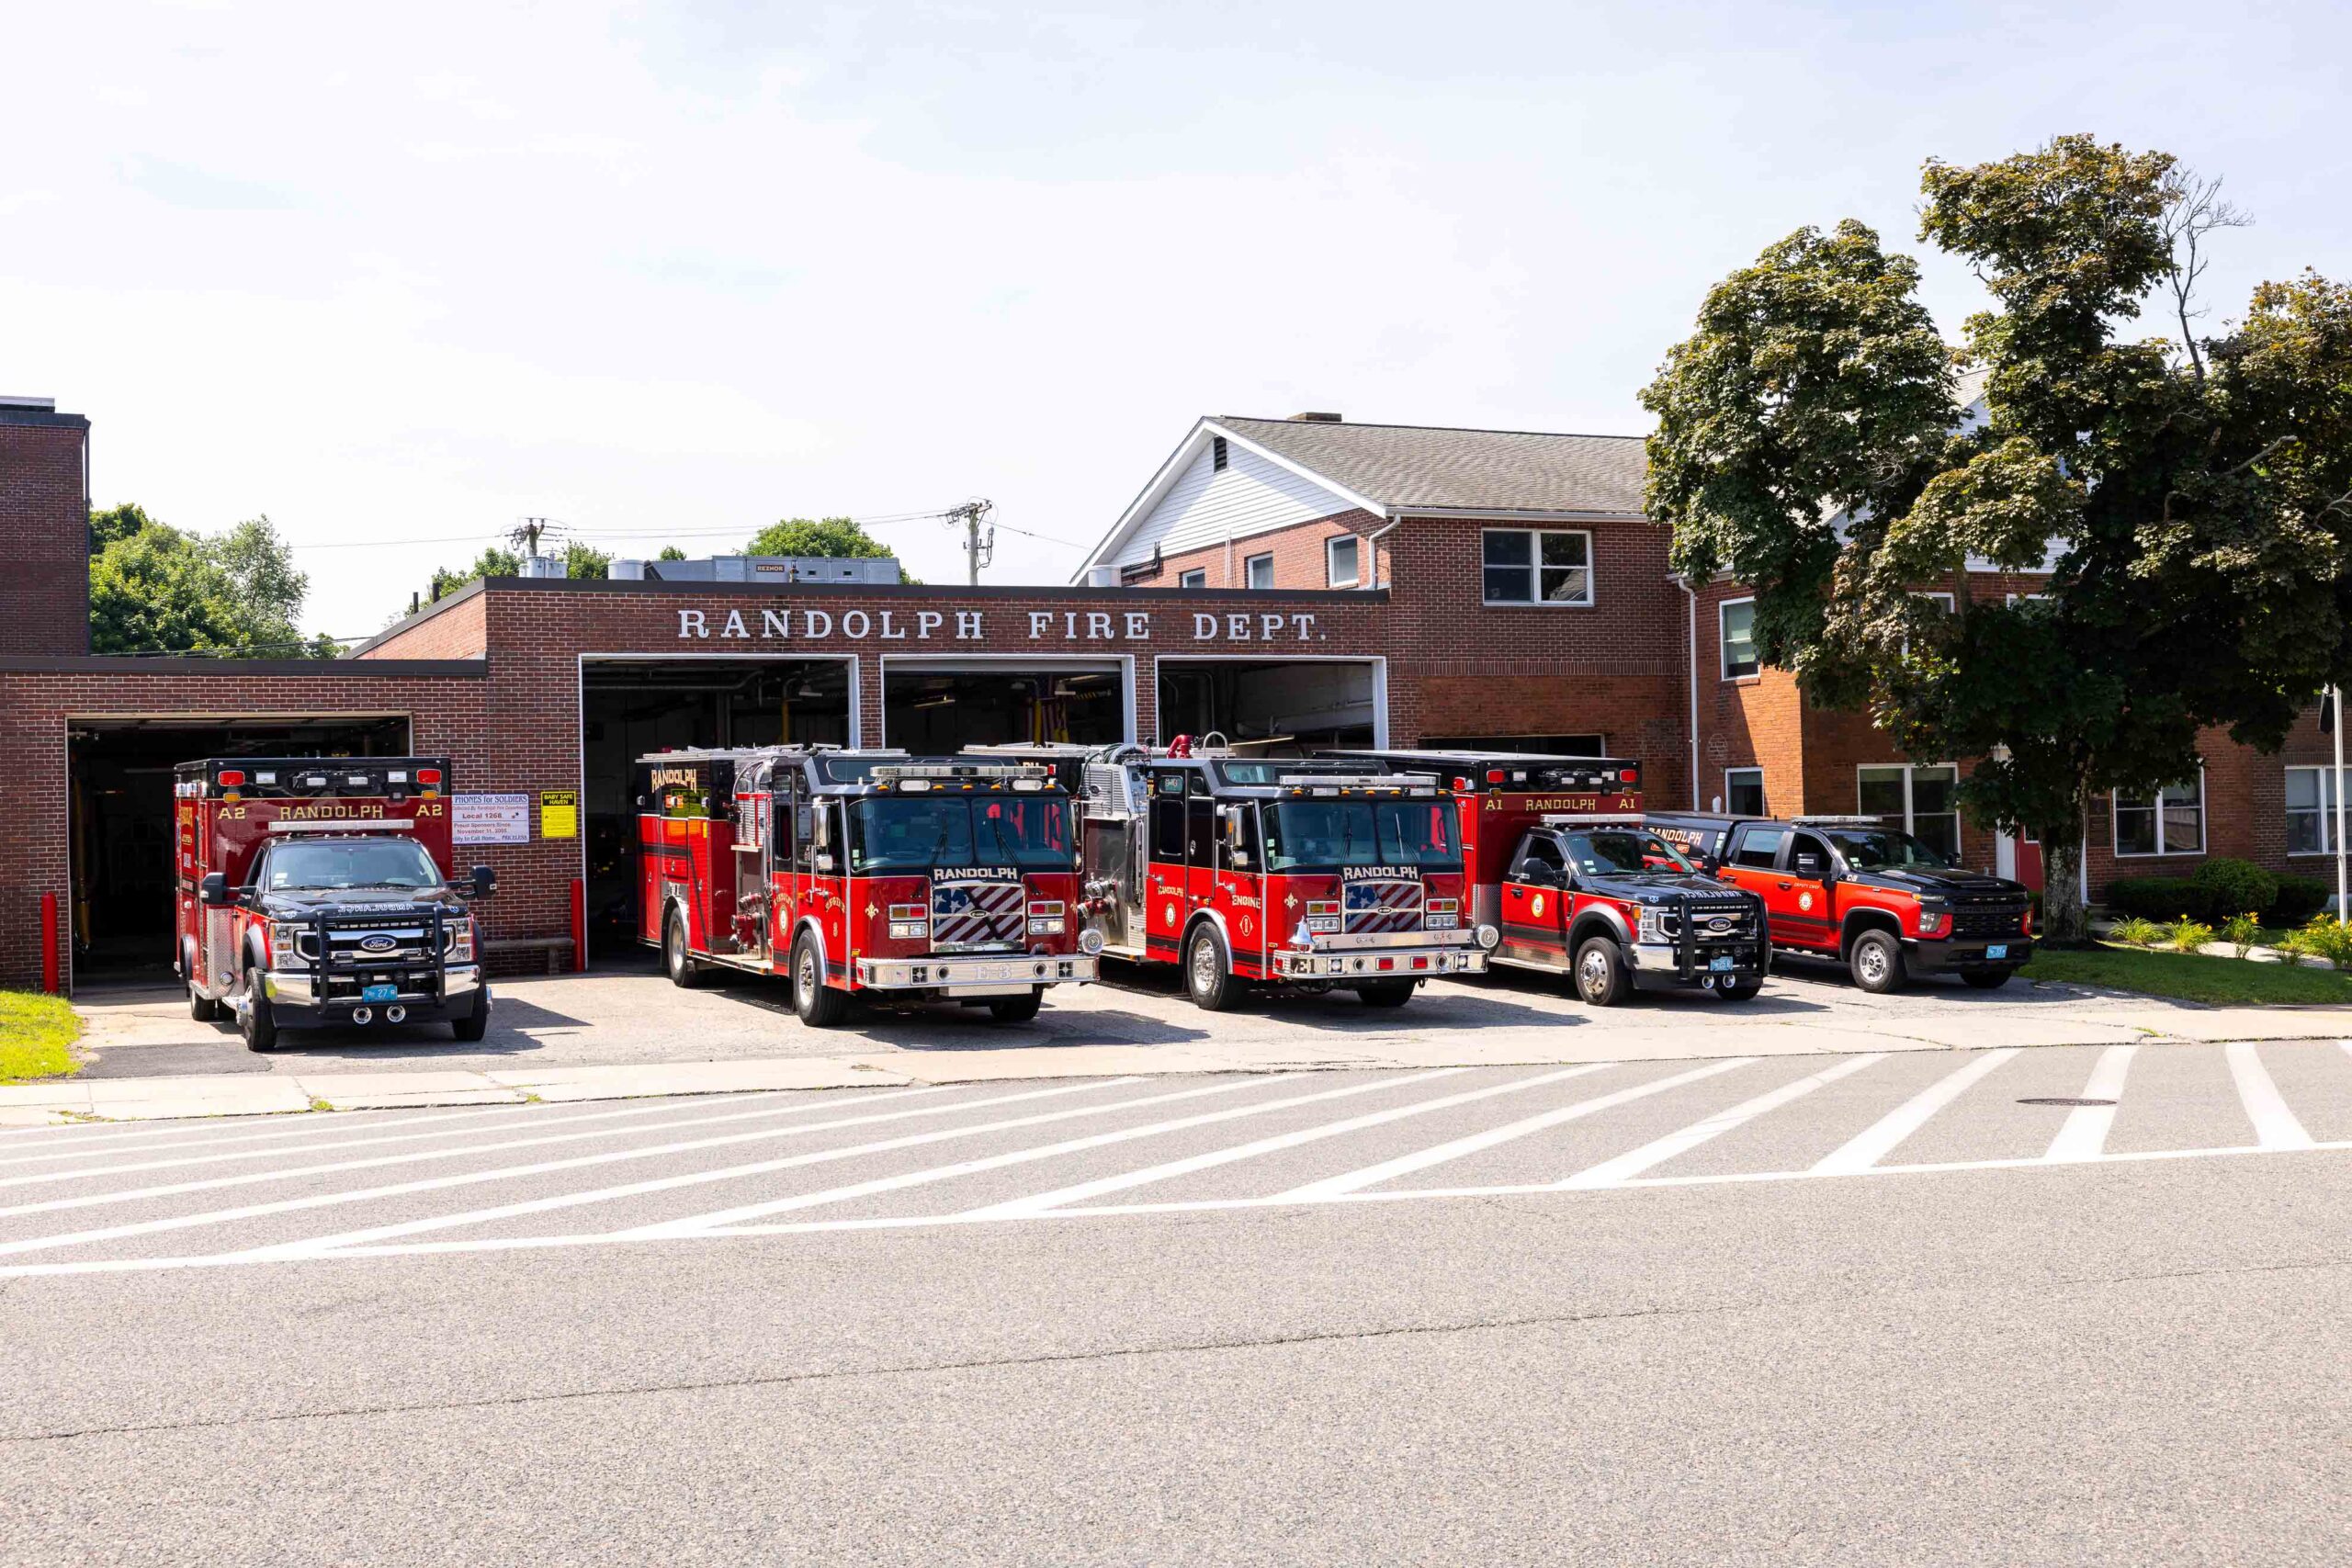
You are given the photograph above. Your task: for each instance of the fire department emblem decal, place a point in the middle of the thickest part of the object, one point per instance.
(1171, 915)
(1805, 900)
(1536, 905)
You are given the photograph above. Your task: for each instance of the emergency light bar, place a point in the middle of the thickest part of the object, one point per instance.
(1337, 784)
(1026, 777)
(344, 825)
(1836, 821)
(1591, 819)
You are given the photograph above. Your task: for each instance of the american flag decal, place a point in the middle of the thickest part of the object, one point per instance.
(1386, 906)
(973, 914)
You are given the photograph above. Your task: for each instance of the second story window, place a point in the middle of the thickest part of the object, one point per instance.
(1343, 555)
(1258, 571)
(1531, 566)
(1739, 639)
(1197, 577)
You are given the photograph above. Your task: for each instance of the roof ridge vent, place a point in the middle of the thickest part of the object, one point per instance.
(1316, 417)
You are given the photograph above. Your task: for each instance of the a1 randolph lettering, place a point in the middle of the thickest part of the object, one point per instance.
(970, 626)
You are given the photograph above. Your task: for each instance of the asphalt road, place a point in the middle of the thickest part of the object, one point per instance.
(1832, 1310)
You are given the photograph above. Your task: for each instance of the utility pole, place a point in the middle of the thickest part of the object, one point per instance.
(2335, 700)
(526, 533)
(978, 551)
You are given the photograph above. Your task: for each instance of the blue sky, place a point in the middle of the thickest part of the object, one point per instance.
(673, 271)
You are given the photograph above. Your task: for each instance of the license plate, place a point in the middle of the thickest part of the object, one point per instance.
(1722, 962)
(1998, 950)
(380, 993)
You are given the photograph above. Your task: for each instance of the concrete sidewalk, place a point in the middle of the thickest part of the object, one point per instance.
(1634, 1034)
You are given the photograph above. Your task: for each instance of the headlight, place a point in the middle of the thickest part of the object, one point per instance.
(1045, 928)
(1090, 941)
(458, 941)
(284, 946)
(1488, 938)
(908, 930)
(1653, 925)
(1932, 922)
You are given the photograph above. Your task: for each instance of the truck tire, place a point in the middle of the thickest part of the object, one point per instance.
(677, 962)
(1987, 979)
(1017, 1010)
(471, 1027)
(202, 1007)
(1208, 970)
(1739, 990)
(1600, 972)
(1387, 993)
(1876, 960)
(817, 1004)
(260, 1025)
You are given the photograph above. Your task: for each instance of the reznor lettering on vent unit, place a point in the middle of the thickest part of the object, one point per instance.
(970, 625)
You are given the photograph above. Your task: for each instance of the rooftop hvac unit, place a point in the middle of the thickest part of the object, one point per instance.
(543, 566)
(852, 570)
(1102, 577)
(629, 572)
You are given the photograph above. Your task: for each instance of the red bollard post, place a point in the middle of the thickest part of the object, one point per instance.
(49, 977)
(578, 926)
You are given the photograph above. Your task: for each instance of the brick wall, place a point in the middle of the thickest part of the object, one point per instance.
(1300, 560)
(45, 518)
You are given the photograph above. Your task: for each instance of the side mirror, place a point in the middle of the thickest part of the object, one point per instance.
(824, 860)
(485, 881)
(804, 824)
(1810, 867)
(1236, 822)
(213, 891)
(821, 834)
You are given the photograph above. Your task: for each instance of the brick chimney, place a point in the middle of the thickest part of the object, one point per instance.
(45, 524)
(1314, 418)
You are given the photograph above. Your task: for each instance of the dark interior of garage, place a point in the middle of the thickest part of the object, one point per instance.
(121, 774)
(1280, 707)
(629, 709)
(938, 712)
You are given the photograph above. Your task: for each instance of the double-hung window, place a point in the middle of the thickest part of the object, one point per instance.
(2170, 822)
(1197, 578)
(1259, 570)
(2312, 794)
(1738, 617)
(1536, 566)
(1923, 801)
(1341, 553)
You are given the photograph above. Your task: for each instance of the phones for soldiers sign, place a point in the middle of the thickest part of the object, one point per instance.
(489, 818)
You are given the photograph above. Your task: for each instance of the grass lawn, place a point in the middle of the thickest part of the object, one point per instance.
(2190, 976)
(35, 1035)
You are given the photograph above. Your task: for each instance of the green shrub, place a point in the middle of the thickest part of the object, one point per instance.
(2186, 935)
(2138, 931)
(2162, 899)
(2236, 885)
(2299, 898)
(2325, 937)
(2243, 931)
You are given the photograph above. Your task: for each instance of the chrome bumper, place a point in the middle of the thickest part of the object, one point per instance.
(294, 986)
(1388, 963)
(976, 975)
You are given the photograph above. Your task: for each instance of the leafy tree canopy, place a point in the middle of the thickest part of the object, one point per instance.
(579, 561)
(815, 536)
(2196, 495)
(154, 589)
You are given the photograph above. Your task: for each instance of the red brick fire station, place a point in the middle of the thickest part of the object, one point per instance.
(1299, 581)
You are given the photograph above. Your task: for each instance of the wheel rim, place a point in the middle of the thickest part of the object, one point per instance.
(805, 979)
(673, 949)
(1204, 966)
(1874, 962)
(1592, 972)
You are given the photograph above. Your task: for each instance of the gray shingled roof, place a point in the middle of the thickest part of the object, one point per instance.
(1406, 466)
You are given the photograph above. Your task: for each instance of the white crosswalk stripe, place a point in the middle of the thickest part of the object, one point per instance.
(1879, 1139)
(2296, 1097)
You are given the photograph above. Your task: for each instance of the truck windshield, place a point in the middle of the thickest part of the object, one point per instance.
(1885, 848)
(389, 862)
(914, 833)
(1604, 852)
(1317, 834)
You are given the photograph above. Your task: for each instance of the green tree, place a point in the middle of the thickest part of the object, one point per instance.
(815, 536)
(154, 589)
(579, 561)
(2196, 495)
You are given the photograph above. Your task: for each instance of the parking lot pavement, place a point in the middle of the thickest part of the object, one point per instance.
(2080, 1304)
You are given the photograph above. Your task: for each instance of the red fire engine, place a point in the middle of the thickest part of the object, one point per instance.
(1307, 873)
(315, 892)
(862, 873)
(1578, 887)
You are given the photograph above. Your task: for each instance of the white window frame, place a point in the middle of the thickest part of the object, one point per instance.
(1910, 802)
(1193, 577)
(2115, 835)
(1723, 640)
(2326, 808)
(1759, 790)
(1249, 569)
(1331, 569)
(1535, 538)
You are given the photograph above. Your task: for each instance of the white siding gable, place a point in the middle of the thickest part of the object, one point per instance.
(1203, 506)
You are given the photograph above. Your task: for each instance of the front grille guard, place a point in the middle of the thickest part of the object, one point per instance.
(331, 965)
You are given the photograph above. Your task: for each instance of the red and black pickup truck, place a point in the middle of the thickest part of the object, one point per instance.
(1872, 897)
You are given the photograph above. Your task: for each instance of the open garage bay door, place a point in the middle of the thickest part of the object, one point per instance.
(938, 708)
(1280, 707)
(120, 773)
(629, 708)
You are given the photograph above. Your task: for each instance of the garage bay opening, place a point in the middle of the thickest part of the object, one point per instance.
(1277, 706)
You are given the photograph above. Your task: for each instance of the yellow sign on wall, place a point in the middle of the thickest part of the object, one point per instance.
(558, 814)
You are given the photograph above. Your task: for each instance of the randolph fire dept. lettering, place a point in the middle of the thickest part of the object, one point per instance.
(970, 625)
